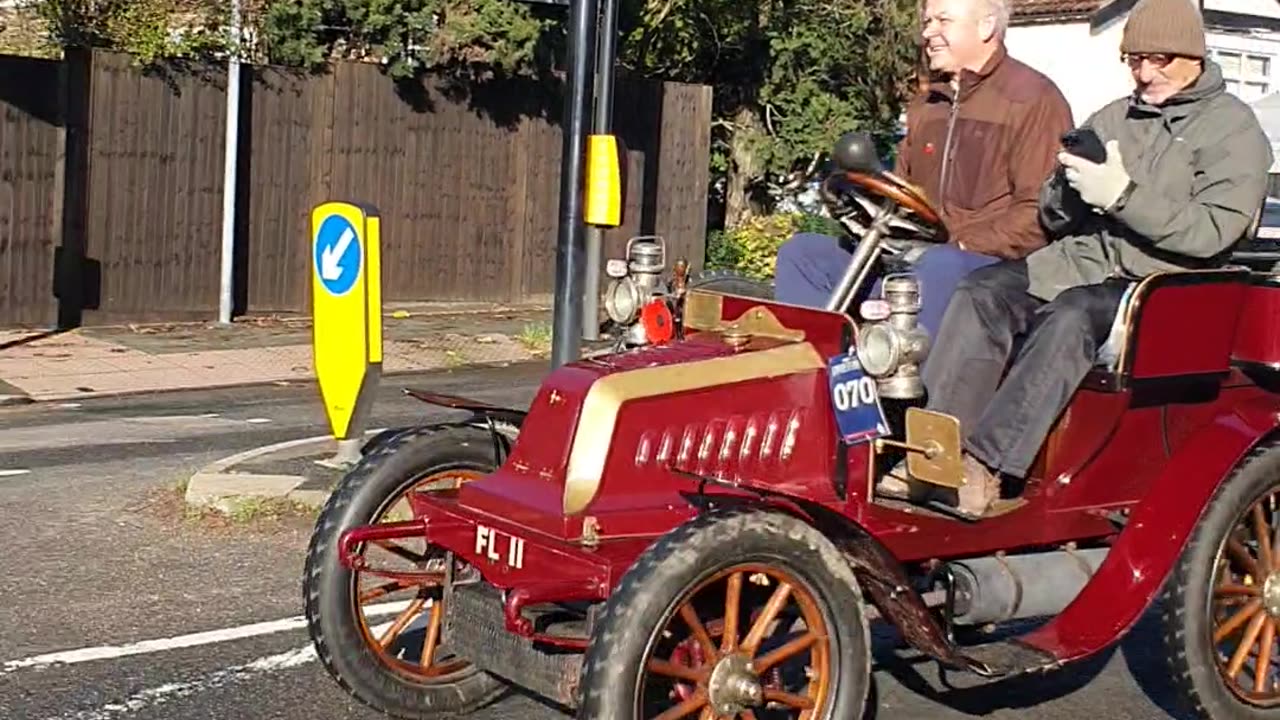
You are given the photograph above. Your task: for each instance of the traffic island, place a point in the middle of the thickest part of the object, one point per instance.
(292, 472)
(11, 395)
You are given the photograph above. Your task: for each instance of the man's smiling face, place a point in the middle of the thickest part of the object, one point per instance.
(957, 34)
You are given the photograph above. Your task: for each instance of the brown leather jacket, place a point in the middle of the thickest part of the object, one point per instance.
(982, 159)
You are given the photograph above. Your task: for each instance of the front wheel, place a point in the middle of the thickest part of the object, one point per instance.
(735, 614)
(381, 636)
(1221, 605)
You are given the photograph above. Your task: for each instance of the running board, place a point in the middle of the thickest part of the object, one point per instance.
(1006, 658)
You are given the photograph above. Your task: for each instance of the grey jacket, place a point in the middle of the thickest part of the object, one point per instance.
(1199, 167)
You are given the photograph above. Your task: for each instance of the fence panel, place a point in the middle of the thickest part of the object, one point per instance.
(155, 192)
(31, 154)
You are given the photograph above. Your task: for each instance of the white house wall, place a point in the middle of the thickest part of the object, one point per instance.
(1084, 63)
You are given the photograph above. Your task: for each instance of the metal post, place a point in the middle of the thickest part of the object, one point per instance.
(602, 125)
(566, 328)
(229, 169)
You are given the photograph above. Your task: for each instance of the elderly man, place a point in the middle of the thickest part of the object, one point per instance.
(1185, 172)
(980, 141)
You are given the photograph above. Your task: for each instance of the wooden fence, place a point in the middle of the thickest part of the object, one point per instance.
(111, 185)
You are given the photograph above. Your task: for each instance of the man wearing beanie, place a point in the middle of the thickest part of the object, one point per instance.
(980, 141)
(1184, 174)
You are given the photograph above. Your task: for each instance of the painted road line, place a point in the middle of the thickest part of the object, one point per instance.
(16, 471)
(111, 652)
(167, 692)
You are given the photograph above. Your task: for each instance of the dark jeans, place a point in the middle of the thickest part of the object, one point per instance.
(809, 267)
(1005, 423)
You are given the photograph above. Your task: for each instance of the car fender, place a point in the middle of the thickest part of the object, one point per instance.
(1158, 529)
(878, 572)
(503, 433)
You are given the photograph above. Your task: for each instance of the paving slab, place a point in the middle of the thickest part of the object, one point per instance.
(136, 358)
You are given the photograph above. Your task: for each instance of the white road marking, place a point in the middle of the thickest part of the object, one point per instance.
(161, 694)
(11, 473)
(111, 652)
(258, 420)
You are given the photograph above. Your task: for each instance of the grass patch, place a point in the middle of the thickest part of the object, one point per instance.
(263, 515)
(536, 337)
(251, 509)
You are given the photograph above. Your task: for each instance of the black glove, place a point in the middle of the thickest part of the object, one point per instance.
(1085, 143)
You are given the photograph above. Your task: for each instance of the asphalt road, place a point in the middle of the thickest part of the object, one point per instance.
(114, 605)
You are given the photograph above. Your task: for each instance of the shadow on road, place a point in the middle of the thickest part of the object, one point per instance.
(1141, 654)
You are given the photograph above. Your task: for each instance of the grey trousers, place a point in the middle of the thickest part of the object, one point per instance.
(1005, 423)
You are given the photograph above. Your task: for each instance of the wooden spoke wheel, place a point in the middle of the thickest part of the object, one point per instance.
(406, 578)
(379, 630)
(768, 649)
(1245, 604)
(1222, 603)
(746, 615)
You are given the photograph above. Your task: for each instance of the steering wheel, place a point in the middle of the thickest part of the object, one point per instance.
(859, 196)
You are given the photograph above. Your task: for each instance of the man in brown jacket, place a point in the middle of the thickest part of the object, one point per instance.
(980, 142)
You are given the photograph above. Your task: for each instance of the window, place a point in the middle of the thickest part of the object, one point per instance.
(1248, 76)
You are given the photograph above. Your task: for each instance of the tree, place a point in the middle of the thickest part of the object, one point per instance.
(411, 37)
(150, 30)
(790, 76)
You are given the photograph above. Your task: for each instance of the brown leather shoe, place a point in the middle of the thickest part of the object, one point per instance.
(980, 490)
(896, 483)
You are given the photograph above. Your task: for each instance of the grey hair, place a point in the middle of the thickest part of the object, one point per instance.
(1000, 9)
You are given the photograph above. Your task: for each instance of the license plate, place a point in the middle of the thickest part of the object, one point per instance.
(855, 400)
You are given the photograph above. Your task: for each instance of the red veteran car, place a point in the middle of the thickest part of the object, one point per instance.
(688, 529)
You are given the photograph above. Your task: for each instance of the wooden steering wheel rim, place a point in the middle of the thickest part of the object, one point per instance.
(899, 192)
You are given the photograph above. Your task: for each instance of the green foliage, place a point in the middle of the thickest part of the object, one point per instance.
(802, 71)
(409, 37)
(819, 224)
(150, 30)
(752, 247)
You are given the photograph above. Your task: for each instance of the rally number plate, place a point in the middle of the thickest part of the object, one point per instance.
(859, 415)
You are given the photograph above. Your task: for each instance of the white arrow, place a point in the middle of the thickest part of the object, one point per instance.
(329, 257)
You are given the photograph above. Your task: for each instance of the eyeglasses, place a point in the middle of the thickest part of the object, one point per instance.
(1135, 59)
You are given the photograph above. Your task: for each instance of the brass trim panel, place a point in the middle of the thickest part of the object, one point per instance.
(592, 439)
(940, 433)
(702, 311)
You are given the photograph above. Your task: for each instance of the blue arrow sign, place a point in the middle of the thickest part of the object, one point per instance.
(337, 255)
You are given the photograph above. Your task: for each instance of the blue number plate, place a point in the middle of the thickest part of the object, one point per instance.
(855, 400)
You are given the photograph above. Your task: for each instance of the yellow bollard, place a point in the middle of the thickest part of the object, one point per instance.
(603, 204)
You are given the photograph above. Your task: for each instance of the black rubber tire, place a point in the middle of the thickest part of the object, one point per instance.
(1187, 627)
(651, 590)
(359, 499)
(730, 282)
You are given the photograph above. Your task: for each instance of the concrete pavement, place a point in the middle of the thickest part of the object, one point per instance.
(37, 365)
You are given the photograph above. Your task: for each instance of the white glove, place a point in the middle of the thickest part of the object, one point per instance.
(1099, 185)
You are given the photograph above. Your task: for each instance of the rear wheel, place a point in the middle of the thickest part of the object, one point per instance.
(1222, 603)
(738, 614)
(380, 636)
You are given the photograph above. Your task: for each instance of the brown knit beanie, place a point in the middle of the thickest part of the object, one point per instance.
(1164, 26)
